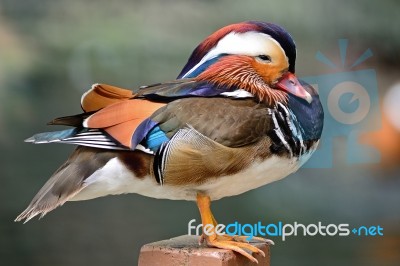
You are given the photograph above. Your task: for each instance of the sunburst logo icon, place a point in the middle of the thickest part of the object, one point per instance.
(351, 105)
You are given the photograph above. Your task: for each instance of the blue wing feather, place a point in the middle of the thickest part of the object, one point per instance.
(78, 136)
(187, 88)
(155, 138)
(47, 137)
(200, 69)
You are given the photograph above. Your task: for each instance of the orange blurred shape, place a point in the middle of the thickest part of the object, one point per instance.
(382, 250)
(387, 141)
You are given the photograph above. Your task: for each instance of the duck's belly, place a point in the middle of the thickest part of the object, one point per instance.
(257, 175)
(114, 178)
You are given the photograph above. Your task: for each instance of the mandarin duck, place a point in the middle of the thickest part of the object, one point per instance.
(235, 119)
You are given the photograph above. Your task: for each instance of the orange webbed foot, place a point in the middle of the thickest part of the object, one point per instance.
(240, 244)
(226, 242)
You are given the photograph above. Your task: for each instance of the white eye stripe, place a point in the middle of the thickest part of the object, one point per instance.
(250, 43)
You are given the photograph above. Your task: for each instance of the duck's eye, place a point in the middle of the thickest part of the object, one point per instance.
(264, 57)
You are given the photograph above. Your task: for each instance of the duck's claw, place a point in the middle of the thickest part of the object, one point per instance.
(239, 247)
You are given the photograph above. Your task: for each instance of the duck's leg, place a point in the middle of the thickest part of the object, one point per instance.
(202, 237)
(223, 242)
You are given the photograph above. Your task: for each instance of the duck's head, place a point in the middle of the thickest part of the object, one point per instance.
(255, 56)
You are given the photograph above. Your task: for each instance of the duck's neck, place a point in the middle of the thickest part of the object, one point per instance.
(310, 116)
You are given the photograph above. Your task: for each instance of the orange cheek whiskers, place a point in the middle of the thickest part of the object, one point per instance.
(241, 74)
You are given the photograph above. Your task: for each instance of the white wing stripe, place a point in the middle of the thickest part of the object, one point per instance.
(280, 135)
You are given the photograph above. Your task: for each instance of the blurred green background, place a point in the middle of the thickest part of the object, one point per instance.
(52, 51)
